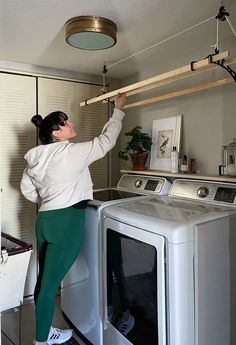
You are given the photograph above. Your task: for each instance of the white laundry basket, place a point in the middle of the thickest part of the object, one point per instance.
(14, 261)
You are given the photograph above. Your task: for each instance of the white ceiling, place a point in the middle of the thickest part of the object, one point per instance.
(32, 32)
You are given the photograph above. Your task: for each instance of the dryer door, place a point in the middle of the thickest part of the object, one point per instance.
(134, 285)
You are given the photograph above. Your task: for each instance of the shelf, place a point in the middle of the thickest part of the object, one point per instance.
(218, 178)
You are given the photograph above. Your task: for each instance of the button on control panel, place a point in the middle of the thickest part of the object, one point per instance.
(202, 192)
(138, 183)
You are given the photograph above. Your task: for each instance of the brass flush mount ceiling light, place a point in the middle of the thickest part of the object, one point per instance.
(90, 32)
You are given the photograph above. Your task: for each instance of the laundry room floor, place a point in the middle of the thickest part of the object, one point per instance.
(10, 325)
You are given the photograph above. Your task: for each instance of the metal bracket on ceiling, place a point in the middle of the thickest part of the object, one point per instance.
(222, 14)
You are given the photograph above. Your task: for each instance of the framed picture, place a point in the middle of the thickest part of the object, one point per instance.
(165, 134)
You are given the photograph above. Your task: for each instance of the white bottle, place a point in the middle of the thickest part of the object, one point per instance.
(174, 160)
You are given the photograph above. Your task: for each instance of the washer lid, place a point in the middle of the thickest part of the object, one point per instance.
(170, 209)
(172, 218)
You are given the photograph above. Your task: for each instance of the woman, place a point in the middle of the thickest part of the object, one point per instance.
(58, 178)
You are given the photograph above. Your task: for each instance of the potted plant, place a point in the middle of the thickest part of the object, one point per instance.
(137, 148)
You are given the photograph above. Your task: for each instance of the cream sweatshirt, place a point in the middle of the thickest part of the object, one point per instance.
(57, 174)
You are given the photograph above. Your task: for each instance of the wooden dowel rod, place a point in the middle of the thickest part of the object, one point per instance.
(180, 93)
(167, 75)
(171, 80)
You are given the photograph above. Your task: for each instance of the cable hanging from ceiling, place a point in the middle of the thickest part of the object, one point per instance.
(207, 64)
(160, 42)
(221, 16)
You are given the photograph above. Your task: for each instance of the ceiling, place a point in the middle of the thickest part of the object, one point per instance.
(32, 32)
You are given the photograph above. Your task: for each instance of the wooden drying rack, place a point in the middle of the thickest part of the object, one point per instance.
(180, 73)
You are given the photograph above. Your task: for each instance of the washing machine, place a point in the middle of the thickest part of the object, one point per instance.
(178, 256)
(81, 293)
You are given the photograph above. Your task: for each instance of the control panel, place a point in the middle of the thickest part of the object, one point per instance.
(144, 184)
(213, 192)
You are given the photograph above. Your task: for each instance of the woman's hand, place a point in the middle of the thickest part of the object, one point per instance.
(120, 100)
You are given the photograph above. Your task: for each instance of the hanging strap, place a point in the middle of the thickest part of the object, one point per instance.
(222, 16)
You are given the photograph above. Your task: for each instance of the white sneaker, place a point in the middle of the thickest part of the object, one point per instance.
(58, 336)
(125, 326)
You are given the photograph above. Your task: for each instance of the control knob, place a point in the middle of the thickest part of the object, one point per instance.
(202, 192)
(138, 183)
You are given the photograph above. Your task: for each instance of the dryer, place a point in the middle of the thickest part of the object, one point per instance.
(179, 262)
(81, 293)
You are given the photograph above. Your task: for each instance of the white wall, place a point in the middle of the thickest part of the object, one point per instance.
(209, 117)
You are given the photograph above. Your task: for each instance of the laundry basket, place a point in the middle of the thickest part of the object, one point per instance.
(14, 261)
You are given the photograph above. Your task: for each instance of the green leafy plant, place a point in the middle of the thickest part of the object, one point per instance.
(140, 142)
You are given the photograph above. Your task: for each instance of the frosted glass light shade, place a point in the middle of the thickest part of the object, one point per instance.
(90, 32)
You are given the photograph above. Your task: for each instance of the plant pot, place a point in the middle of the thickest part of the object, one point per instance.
(139, 160)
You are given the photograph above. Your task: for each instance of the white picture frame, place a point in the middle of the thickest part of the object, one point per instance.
(166, 133)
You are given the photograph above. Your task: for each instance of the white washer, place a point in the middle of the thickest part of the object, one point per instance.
(81, 288)
(179, 260)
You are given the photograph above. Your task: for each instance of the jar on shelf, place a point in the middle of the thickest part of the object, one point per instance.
(224, 162)
(231, 158)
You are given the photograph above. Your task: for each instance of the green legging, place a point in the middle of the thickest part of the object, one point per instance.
(59, 235)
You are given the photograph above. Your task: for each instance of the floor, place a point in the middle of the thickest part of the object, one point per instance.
(10, 325)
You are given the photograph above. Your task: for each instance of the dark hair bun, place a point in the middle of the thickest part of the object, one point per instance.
(37, 120)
